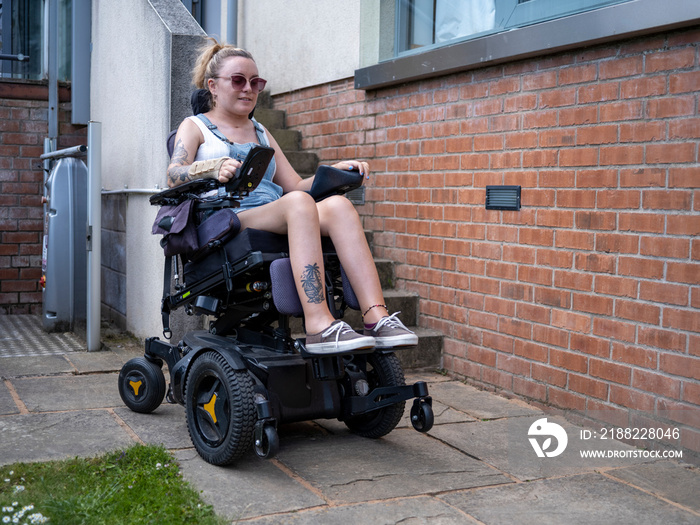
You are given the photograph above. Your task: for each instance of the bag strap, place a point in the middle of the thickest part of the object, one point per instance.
(164, 305)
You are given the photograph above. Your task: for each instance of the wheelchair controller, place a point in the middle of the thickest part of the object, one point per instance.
(247, 374)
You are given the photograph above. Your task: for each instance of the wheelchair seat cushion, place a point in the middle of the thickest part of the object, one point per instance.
(271, 245)
(275, 251)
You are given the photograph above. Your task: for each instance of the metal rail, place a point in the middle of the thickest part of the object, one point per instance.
(75, 151)
(18, 58)
(138, 191)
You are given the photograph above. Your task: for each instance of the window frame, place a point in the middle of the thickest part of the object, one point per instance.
(608, 23)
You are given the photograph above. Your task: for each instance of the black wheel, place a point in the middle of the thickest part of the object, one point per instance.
(269, 443)
(220, 410)
(141, 385)
(422, 417)
(382, 370)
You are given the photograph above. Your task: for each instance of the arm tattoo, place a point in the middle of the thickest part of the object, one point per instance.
(311, 283)
(177, 173)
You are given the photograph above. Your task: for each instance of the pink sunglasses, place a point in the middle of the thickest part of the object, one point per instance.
(238, 82)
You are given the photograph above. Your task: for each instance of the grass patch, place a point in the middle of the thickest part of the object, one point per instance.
(141, 484)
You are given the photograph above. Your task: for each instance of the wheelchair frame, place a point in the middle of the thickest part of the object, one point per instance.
(244, 376)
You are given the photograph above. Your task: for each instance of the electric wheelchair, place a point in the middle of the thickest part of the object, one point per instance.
(247, 373)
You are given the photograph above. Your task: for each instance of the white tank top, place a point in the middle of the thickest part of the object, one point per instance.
(212, 147)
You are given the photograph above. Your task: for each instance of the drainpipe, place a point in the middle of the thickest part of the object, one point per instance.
(232, 22)
(52, 54)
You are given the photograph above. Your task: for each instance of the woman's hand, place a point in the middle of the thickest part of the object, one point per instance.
(358, 165)
(228, 170)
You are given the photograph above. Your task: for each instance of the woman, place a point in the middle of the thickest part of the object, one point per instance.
(214, 143)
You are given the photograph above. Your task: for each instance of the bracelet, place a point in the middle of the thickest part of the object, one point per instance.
(373, 306)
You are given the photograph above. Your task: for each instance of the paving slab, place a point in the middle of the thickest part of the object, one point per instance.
(34, 366)
(44, 437)
(429, 376)
(477, 403)
(584, 499)
(677, 483)
(7, 402)
(405, 511)
(166, 425)
(89, 362)
(443, 415)
(467, 468)
(505, 444)
(347, 468)
(47, 394)
(251, 487)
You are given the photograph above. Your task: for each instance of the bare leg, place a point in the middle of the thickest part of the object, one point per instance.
(296, 215)
(339, 221)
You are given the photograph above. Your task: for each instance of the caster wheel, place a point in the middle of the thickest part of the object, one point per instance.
(141, 385)
(382, 370)
(422, 417)
(220, 409)
(268, 444)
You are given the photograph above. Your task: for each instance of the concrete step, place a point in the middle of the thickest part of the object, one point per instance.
(396, 301)
(270, 118)
(428, 352)
(264, 100)
(288, 139)
(302, 161)
(385, 269)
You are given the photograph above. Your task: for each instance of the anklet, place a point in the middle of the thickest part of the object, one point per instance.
(373, 306)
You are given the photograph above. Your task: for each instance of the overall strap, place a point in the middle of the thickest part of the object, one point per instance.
(213, 128)
(259, 131)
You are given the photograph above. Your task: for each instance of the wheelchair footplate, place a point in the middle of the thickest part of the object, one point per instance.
(361, 399)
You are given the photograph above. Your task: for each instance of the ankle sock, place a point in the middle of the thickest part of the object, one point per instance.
(370, 326)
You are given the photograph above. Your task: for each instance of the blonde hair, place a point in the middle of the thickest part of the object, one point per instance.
(211, 57)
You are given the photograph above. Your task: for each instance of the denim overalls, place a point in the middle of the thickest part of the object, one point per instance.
(267, 191)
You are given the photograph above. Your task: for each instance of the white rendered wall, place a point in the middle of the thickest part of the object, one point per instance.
(130, 93)
(298, 44)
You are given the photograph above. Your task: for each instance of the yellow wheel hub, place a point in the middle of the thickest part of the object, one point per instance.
(135, 385)
(209, 407)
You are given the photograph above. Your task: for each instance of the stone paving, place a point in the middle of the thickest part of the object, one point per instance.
(475, 466)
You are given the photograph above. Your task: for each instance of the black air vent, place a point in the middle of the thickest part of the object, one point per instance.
(503, 198)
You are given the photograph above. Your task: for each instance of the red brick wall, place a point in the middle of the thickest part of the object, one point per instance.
(23, 127)
(589, 297)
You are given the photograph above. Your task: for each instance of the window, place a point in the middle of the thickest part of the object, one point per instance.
(209, 13)
(411, 39)
(422, 23)
(23, 30)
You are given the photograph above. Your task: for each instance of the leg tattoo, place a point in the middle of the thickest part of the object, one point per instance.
(311, 283)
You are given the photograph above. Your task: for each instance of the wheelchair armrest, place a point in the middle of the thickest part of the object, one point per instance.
(332, 181)
(247, 178)
(183, 191)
